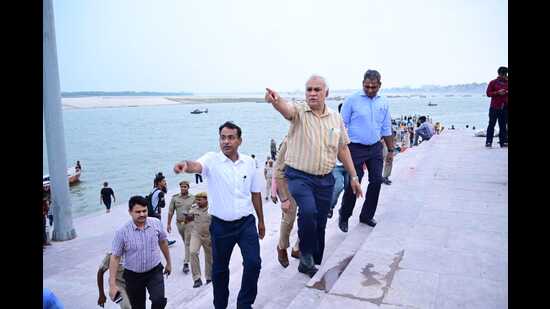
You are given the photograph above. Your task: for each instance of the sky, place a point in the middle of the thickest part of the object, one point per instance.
(220, 46)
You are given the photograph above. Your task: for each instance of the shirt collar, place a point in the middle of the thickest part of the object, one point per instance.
(225, 158)
(363, 94)
(325, 111)
(135, 227)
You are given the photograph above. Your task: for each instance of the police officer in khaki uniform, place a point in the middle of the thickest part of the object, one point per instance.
(200, 236)
(181, 203)
(120, 282)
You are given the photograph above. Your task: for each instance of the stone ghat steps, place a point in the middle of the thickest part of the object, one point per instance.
(441, 240)
(317, 292)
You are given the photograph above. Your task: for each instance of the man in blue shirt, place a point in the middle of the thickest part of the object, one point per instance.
(367, 118)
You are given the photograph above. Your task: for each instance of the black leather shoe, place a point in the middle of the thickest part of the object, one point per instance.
(310, 272)
(208, 281)
(330, 213)
(504, 145)
(197, 283)
(370, 222)
(488, 145)
(343, 224)
(185, 268)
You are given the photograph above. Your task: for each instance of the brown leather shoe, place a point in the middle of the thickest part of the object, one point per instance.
(282, 257)
(295, 254)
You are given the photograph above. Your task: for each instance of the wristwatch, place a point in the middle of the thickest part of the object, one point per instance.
(391, 149)
(355, 178)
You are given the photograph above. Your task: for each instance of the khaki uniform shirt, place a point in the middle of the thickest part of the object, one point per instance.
(201, 220)
(279, 167)
(105, 267)
(181, 205)
(313, 141)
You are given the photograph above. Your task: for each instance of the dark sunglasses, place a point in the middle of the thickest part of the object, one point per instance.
(316, 89)
(371, 87)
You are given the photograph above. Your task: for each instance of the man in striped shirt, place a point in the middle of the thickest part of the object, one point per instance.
(140, 242)
(316, 137)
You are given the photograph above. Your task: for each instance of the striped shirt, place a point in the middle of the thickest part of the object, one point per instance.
(139, 247)
(313, 141)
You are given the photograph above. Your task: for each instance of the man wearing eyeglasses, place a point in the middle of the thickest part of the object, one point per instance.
(316, 137)
(367, 118)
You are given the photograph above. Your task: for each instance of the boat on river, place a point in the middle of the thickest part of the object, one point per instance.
(198, 111)
(73, 177)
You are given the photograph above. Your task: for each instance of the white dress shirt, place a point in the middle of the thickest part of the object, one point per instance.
(230, 184)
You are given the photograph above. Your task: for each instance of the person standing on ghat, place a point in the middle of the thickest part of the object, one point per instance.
(316, 137)
(367, 118)
(234, 189)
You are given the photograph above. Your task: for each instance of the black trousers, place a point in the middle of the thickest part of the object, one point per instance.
(372, 156)
(197, 178)
(107, 203)
(495, 115)
(136, 283)
(44, 236)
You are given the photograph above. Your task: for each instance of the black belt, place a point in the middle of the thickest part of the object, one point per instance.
(242, 219)
(363, 145)
(312, 175)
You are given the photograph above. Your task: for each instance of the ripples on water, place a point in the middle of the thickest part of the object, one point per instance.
(126, 146)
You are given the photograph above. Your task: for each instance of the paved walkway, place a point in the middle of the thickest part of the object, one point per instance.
(441, 242)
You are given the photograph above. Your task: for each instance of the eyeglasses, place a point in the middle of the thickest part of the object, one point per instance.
(316, 89)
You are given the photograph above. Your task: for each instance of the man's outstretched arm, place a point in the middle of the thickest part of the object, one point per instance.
(281, 105)
(188, 166)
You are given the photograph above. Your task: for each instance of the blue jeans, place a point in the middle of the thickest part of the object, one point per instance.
(341, 181)
(313, 195)
(225, 234)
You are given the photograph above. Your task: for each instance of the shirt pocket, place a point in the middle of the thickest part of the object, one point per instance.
(380, 114)
(152, 242)
(333, 139)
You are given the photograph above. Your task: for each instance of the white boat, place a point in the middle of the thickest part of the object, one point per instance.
(73, 177)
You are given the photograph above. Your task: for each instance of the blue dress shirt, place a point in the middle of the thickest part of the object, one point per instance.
(366, 119)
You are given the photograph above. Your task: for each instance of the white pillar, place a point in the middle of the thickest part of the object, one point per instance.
(53, 125)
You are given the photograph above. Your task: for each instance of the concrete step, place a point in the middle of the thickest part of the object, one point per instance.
(429, 250)
(336, 261)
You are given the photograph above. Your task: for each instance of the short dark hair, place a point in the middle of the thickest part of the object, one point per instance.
(502, 70)
(137, 200)
(372, 74)
(105, 184)
(231, 125)
(422, 119)
(158, 178)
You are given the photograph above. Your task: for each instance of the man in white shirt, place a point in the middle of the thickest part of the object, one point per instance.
(234, 189)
